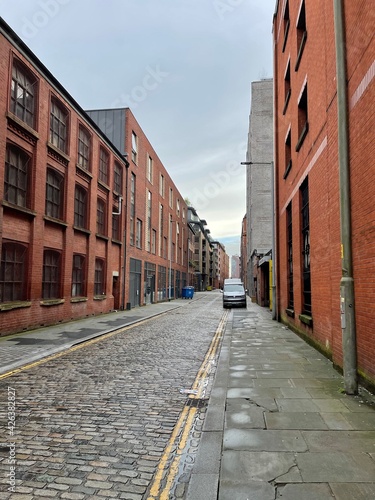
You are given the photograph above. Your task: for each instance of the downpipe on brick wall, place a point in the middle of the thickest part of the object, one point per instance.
(347, 309)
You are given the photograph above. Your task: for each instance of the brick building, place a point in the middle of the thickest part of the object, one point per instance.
(86, 226)
(157, 234)
(312, 251)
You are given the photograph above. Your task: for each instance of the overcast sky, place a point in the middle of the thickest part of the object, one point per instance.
(184, 67)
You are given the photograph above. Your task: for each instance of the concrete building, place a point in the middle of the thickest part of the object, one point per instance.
(259, 168)
(325, 177)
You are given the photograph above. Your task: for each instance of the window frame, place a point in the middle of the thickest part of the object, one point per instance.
(288, 153)
(134, 147)
(80, 207)
(100, 278)
(58, 138)
(138, 234)
(303, 121)
(54, 205)
(84, 148)
(20, 172)
(27, 112)
(150, 168)
(305, 251)
(289, 254)
(101, 217)
(12, 289)
(51, 288)
(78, 276)
(301, 33)
(103, 165)
(117, 178)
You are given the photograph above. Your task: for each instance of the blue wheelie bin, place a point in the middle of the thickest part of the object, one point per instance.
(189, 292)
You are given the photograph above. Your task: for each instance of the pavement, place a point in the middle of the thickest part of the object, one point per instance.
(278, 423)
(27, 347)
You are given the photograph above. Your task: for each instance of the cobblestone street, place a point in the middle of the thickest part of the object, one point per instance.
(95, 422)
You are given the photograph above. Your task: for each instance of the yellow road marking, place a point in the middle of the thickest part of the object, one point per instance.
(185, 422)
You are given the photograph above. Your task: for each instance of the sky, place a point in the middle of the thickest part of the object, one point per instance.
(184, 67)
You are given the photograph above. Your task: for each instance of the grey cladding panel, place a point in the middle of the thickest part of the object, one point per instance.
(112, 124)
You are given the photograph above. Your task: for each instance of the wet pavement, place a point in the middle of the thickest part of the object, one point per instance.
(273, 421)
(278, 423)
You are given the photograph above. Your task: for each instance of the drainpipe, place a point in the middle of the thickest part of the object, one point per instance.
(274, 313)
(125, 234)
(347, 283)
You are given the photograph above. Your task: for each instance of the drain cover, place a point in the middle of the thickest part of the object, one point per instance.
(196, 403)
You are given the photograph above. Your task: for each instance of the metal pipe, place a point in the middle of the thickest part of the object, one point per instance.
(347, 282)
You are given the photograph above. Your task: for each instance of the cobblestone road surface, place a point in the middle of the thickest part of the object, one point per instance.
(95, 422)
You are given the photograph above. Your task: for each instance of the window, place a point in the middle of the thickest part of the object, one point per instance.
(84, 148)
(288, 153)
(58, 126)
(99, 281)
(161, 185)
(23, 94)
(101, 217)
(148, 221)
(13, 272)
(301, 33)
(78, 276)
(289, 230)
(132, 209)
(134, 147)
(287, 89)
(305, 219)
(161, 229)
(103, 165)
(16, 176)
(115, 224)
(51, 274)
(178, 207)
(54, 194)
(286, 24)
(138, 237)
(149, 168)
(171, 197)
(303, 125)
(117, 179)
(80, 207)
(153, 241)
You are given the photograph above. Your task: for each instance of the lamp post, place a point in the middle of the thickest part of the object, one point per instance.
(273, 285)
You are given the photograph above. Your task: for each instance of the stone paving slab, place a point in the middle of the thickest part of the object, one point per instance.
(336, 467)
(288, 420)
(348, 491)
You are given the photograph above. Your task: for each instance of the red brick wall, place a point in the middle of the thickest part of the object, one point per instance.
(318, 64)
(145, 149)
(32, 228)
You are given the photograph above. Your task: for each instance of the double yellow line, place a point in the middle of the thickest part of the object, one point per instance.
(184, 424)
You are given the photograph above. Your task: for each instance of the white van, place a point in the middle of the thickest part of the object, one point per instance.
(234, 293)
